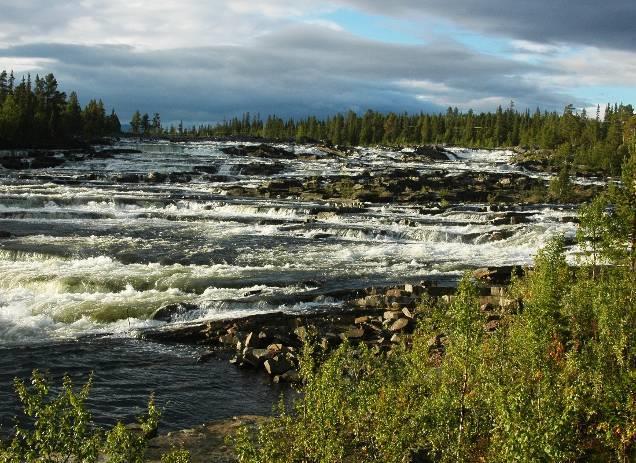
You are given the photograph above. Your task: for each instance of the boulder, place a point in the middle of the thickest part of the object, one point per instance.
(156, 177)
(169, 312)
(390, 315)
(353, 333)
(256, 357)
(278, 365)
(399, 324)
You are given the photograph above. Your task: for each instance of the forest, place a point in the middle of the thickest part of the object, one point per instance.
(597, 142)
(37, 114)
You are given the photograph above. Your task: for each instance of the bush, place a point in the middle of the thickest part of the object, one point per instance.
(555, 382)
(59, 429)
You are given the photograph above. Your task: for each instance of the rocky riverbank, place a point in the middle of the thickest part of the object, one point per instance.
(380, 318)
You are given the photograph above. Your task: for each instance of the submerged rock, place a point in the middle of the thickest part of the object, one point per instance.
(170, 312)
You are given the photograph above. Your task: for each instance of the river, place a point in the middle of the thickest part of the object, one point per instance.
(86, 256)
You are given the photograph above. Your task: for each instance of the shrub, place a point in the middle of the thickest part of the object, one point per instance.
(59, 429)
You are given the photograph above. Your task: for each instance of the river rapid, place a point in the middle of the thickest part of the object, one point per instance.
(87, 256)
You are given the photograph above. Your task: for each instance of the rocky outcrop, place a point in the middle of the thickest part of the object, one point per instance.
(380, 318)
(170, 312)
(259, 151)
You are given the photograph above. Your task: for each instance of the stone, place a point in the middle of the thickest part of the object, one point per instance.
(206, 357)
(228, 340)
(277, 365)
(399, 324)
(360, 320)
(276, 348)
(491, 326)
(488, 307)
(391, 315)
(290, 376)
(169, 312)
(256, 357)
(353, 333)
(395, 292)
(407, 313)
(155, 177)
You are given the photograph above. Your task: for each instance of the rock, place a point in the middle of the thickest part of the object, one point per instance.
(127, 178)
(395, 338)
(488, 307)
(353, 333)
(407, 313)
(360, 320)
(13, 163)
(262, 169)
(278, 365)
(228, 340)
(169, 312)
(261, 151)
(155, 177)
(276, 348)
(396, 292)
(45, 162)
(491, 326)
(390, 315)
(256, 357)
(432, 153)
(399, 324)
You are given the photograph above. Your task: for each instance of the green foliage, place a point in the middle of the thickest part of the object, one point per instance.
(555, 382)
(561, 184)
(37, 113)
(176, 456)
(573, 139)
(59, 429)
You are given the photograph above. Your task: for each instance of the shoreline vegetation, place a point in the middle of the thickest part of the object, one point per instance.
(523, 365)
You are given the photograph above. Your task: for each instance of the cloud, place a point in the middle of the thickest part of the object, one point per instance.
(202, 60)
(585, 22)
(296, 70)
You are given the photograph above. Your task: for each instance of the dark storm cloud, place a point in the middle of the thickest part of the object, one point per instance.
(295, 71)
(609, 24)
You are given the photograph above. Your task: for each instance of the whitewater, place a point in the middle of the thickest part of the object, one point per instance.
(86, 258)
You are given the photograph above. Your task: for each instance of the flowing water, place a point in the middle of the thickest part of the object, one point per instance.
(86, 258)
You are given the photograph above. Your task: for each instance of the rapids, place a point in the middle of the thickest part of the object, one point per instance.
(86, 257)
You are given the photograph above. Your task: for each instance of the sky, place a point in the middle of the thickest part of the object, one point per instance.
(206, 60)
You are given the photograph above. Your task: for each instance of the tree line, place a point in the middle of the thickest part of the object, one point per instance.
(598, 142)
(36, 113)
